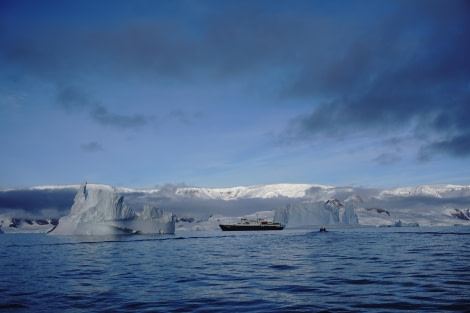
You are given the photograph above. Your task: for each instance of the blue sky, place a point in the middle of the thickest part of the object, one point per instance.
(227, 93)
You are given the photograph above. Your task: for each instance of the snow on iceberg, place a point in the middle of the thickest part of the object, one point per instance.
(102, 211)
(330, 212)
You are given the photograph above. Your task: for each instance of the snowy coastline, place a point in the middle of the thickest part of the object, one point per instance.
(296, 205)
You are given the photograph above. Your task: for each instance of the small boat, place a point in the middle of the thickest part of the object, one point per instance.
(246, 225)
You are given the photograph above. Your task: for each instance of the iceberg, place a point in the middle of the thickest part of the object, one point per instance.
(349, 216)
(102, 211)
(331, 212)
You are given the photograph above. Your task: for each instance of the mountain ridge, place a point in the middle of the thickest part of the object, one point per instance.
(291, 190)
(433, 204)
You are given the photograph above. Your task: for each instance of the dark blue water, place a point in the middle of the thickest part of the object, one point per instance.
(343, 270)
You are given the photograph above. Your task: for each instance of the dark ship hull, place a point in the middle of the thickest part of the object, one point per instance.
(236, 227)
(247, 225)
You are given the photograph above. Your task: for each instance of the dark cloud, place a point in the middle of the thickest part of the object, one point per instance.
(69, 53)
(71, 97)
(458, 146)
(364, 68)
(92, 146)
(386, 158)
(103, 116)
(75, 98)
(35, 203)
(330, 52)
(229, 40)
(411, 70)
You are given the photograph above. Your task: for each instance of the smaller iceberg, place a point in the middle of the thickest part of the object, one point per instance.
(331, 212)
(102, 211)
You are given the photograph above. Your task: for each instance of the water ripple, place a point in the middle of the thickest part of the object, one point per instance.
(344, 270)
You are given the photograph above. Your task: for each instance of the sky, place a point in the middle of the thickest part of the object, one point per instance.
(227, 93)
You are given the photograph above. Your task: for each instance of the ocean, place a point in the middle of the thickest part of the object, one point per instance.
(409, 269)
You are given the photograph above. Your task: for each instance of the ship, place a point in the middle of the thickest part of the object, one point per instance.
(248, 225)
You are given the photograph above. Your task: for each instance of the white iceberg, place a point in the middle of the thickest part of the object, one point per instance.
(349, 216)
(102, 211)
(331, 212)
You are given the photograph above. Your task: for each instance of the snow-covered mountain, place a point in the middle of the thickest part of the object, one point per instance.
(256, 191)
(291, 190)
(310, 191)
(198, 208)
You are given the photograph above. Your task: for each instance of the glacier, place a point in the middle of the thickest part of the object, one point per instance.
(100, 210)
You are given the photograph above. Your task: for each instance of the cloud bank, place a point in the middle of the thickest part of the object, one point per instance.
(373, 70)
(389, 79)
(27, 203)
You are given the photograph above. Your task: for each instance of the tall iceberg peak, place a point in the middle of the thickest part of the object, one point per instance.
(98, 205)
(101, 210)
